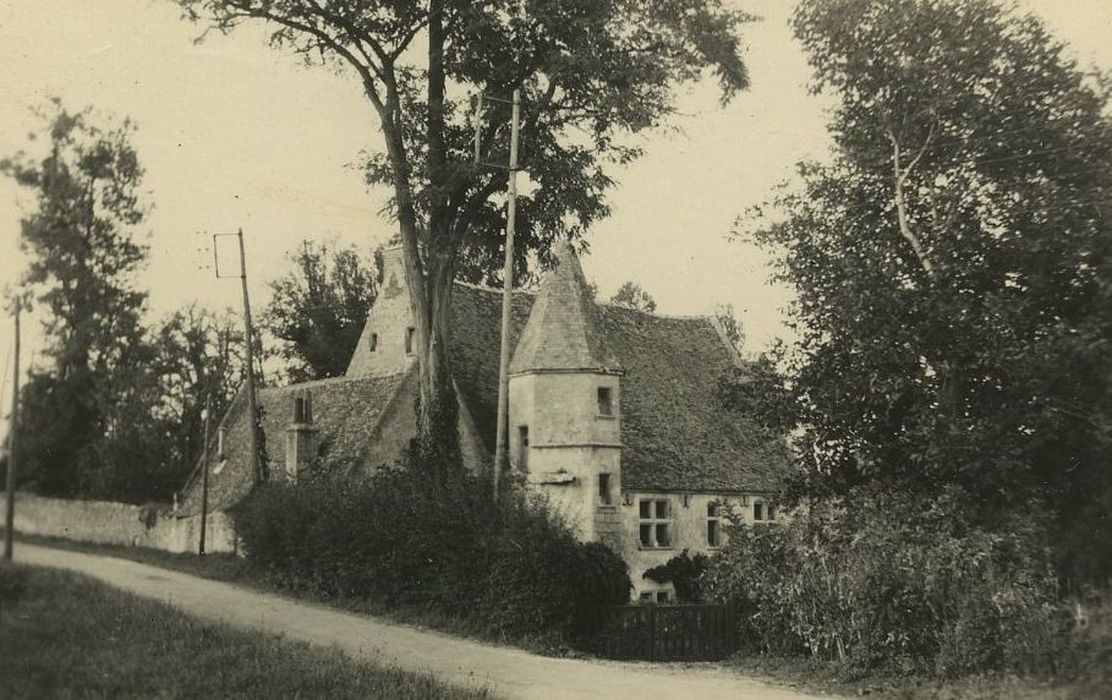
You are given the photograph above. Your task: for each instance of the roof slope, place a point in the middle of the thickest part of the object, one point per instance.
(677, 434)
(563, 331)
(345, 411)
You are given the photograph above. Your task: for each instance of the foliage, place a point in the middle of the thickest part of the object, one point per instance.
(81, 241)
(877, 580)
(589, 73)
(400, 540)
(684, 572)
(951, 268)
(319, 309)
(732, 327)
(631, 296)
(69, 636)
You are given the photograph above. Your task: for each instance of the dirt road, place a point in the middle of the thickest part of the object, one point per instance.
(508, 672)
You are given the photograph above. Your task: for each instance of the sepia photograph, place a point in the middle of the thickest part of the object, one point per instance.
(711, 349)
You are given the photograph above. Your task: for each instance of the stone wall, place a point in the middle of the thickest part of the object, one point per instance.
(104, 522)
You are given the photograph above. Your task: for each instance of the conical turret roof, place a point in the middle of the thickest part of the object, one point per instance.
(563, 332)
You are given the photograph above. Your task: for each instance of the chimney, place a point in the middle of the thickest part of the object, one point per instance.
(301, 437)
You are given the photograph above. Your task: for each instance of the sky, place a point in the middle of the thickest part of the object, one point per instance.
(233, 133)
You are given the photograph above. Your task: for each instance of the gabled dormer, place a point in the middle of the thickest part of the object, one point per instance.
(387, 344)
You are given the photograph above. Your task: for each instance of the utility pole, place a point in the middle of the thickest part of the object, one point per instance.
(13, 428)
(205, 475)
(500, 451)
(257, 467)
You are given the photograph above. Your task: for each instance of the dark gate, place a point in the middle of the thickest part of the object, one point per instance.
(664, 632)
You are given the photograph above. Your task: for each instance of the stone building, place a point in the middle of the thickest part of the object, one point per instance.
(615, 414)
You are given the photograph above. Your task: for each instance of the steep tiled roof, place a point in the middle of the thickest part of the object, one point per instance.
(345, 411)
(676, 433)
(563, 331)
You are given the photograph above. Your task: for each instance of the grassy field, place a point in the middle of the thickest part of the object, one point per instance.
(66, 636)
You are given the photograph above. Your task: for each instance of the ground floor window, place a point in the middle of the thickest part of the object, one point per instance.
(655, 597)
(655, 523)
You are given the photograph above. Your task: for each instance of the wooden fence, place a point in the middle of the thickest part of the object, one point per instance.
(664, 632)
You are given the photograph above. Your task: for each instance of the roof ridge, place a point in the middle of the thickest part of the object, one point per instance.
(492, 290)
(653, 314)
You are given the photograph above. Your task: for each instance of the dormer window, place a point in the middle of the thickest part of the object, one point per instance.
(372, 342)
(605, 401)
(409, 333)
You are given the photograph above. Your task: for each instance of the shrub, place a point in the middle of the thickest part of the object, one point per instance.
(398, 540)
(684, 572)
(879, 580)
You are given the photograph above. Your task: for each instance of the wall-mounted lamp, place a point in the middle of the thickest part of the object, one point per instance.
(686, 500)
(627, 499)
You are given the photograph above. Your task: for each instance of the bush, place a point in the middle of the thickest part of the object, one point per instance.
(880, 581)
(684, 572)
(399, 541)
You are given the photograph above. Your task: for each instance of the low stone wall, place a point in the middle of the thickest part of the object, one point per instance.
(105, 522)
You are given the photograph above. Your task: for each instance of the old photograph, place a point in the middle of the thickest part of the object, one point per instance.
(556, 349)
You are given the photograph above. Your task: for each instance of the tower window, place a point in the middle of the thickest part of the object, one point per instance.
(605, 401)
(372, 342)
(714, 526)
(604, 497)
(409, 333)
(655, 524)
(523, 446)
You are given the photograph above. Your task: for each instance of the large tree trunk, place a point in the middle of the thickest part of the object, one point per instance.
(429, 294)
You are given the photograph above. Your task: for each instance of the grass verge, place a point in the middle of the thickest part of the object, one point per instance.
(230, 568)
(827, 677)
(65, 635)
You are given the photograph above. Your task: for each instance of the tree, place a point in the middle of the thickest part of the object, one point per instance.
(81, 238)
(197, 355)
(320, 308)
(588, 72)
(631, 296)
(951, 265)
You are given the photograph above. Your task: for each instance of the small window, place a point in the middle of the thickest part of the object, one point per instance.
(714, 526)
(372, 342)
(646, 596)
(662, 596)
(771, 511)
(759, 511)
(604, 497)
(605, 401)
(409, 332)
(655, 526)
(298, 409)
(523, 446)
